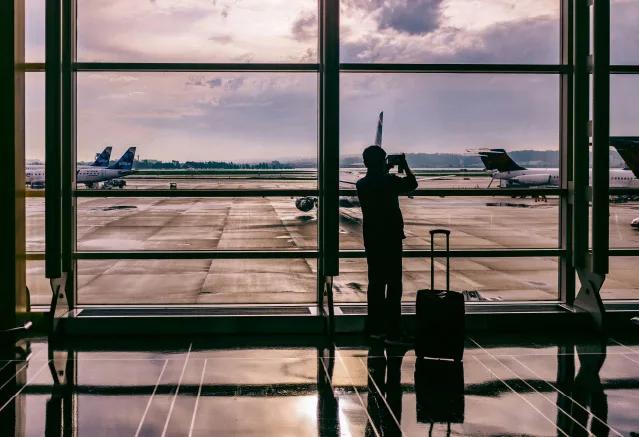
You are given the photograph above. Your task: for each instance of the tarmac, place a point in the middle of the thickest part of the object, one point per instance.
(274, 223)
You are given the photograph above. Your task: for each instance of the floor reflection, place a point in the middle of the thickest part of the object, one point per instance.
(522, 387)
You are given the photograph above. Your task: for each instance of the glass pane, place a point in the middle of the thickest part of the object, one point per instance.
(475, 222)
(238, 281)
(441, 120)
(197, 31)
(259, 126)
(239, 223)
(34, 30)
(624, 113)
(496, 279)
(624, 32)
(34, 117)
(38, 284)
(450, 31)
(624, 224)
(622, 281)
(34, 161)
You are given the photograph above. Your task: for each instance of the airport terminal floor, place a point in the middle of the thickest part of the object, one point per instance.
(522, 385)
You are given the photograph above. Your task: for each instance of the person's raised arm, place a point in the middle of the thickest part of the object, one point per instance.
(407, 183)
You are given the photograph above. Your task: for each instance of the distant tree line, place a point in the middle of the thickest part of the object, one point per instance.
(526, 158)
(150, 164)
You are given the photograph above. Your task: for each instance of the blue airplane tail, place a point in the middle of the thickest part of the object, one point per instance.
(102, 160)
(628, 148)
(126, 161)
(498, 159)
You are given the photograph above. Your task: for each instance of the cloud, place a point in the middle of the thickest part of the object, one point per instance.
(413, 17)
(532, 40)
(305, 27)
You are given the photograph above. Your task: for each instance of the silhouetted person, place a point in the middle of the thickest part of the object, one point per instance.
(383, 227)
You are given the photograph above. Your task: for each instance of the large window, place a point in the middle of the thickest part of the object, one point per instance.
(226, 104)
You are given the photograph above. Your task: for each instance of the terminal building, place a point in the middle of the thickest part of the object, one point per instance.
(182, 238)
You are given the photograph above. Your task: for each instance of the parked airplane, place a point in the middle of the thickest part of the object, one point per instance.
(306, 204)
(34, 173)
(91, 175)
(510, 174)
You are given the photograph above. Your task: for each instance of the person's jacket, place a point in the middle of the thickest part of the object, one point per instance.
(378, 196)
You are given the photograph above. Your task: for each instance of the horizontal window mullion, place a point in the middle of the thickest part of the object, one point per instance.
(468, 253)
(195, 193)
(449, 192)
(196, 254)
(455, 68)
(618, 191)
(33, 66)
(180, 66)
(624, 69)
(624, 251)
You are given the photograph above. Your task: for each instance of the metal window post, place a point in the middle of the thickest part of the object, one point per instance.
(53, 194)
(68, 152)
(329, 147)
(12, 249)
(566, 266)
(592, 267)
(600, 135)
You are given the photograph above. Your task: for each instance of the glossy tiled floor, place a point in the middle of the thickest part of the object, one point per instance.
(519, 386)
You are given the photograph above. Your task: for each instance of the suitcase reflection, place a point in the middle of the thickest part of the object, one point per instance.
(439, 388)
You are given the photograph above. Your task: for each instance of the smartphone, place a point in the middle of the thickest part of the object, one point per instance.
(396, 160)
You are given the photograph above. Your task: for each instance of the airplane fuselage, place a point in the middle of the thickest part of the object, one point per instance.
(549, 177)
(88, 175)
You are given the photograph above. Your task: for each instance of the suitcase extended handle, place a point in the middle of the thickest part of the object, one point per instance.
(434, 232)
(439, 231)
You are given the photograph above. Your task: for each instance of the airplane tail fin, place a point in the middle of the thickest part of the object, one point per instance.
(102, 160)
(628, 148)
(380, 126)
(498, 159)
(126, 161)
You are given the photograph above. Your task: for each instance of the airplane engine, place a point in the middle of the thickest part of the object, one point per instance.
(531, 180)
(305, 204)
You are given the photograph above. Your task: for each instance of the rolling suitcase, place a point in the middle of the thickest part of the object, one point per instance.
(440, 314)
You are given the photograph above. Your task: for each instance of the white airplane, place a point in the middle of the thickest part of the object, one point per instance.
(306, 204)
(34, 173)
(511, 175)
(90, 175)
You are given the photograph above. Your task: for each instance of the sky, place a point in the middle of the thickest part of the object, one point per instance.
(265, 116)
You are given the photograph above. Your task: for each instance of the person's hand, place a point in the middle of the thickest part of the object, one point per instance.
(404, 165)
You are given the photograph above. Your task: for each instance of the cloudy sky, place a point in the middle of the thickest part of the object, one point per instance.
(263, 116)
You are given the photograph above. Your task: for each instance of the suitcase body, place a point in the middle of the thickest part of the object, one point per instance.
(440, 316)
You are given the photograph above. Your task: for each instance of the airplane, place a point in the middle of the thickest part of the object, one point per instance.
(306, 204)
(635, 223)
(511, 175)
(34, 173)
(93, 174)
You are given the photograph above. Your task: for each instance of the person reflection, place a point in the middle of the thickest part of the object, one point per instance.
(384, 401)
(590, 400)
